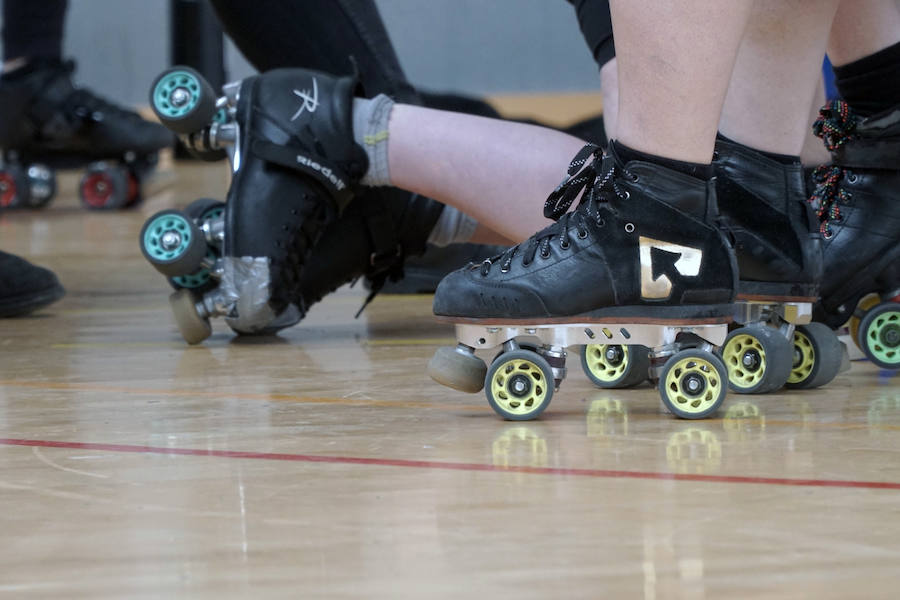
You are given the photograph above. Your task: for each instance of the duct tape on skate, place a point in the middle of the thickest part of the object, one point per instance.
(246, 287)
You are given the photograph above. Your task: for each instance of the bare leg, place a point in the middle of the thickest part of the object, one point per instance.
(775, 76)
(863, 27)
(673, 72)
(498, 172)
(813, 152)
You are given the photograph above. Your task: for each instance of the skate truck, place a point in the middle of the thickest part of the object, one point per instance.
(49, 124)
(531, 363)
(293, 163)
(186, 245)
(769, 346)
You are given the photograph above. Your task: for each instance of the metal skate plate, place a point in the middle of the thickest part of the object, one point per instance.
(795, 313)
(575, 334)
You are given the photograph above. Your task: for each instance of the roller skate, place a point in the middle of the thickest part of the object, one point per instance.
(857, 198)
(639, 262)
(49, 124)
(287, 134)
(772, 342)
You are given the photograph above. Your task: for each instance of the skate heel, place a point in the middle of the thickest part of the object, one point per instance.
(522, 378)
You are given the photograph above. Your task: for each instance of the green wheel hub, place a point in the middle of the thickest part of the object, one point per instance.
(519, 387)
(176, 94)
(882, 337)
(745, 359)
(167, 237)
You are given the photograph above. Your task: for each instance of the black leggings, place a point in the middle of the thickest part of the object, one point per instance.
(596, 26)
(33, 29)
(324, 36)
(331, 37)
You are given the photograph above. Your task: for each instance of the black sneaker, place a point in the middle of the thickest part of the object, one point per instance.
(24, 287)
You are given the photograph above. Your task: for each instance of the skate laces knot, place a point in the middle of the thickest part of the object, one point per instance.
(828, 196)
(836, 124)
(592, 175)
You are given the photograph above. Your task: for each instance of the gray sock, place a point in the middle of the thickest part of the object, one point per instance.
(370, 130)
(452, 227)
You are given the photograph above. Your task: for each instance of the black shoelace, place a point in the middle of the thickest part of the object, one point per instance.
(836, 126)
(592, 175)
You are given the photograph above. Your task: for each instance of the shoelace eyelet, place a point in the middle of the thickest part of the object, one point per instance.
(504, 268)
(545, 254)
(852, 178)
(564, 245)
(582, 234)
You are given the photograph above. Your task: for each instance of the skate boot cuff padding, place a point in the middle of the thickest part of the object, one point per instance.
(331, 176)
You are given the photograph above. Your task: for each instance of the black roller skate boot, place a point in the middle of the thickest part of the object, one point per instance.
(374, 237)
(423, 273)
(857, 198)
(50, 124)
(295, 167)
(763, 207)
(640, 261)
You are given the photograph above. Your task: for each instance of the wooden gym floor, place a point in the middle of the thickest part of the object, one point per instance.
(324, 463)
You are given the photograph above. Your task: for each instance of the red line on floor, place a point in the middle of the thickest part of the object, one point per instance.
(426, 464)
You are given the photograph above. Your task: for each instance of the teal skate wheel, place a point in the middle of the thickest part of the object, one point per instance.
(879, 335)
(615, 366)
(693, 384)
(183, 100)
(758, 359)
(173, 244)
(817, 356)
(519, 385)
(202, 210)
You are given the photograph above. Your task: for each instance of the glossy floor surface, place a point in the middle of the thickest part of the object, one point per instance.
(324, 463)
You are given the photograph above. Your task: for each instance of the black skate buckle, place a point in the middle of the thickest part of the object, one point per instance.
(384, 260)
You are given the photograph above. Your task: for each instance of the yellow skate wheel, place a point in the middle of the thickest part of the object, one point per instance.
(519, 385)
(817, 356)
(758, 359)
(869, 301)
(693, 384)
(612, 366)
